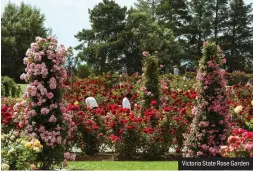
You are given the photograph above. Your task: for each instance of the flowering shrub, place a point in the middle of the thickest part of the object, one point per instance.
(19, 152)
(151, 80)
(46, 117)
(6, 118)
(211, 123)
(240, 104)
(238, 77)
(239, 144)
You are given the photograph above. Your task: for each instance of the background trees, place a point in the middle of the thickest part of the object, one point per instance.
(100, 46)
(20, 25)
(175, 30)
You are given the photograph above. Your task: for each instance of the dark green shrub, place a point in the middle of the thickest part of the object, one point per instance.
(238, 77)
(9, 87)
(84, 71)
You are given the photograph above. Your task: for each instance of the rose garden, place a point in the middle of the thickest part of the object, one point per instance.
(171, 116)
(203, 110)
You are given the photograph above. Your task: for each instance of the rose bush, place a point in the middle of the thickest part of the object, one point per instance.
(19, 151)
(239, 144)
(46, 117)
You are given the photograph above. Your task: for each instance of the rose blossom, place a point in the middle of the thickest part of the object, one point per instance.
(238, 109)
(52, 119)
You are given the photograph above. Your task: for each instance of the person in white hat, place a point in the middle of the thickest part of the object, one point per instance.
(176, 70)
(91, 102)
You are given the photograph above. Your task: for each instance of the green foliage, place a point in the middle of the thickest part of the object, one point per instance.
(151, 80)
(9, 88)
(238, 35)
(20, 25)
(238, 77)
(84, 71)
(174, 14)
(103, 47)
(19, 152)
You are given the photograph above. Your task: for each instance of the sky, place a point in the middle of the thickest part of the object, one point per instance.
(68, 17)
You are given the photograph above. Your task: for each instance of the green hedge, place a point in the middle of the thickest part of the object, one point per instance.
(236, 77)
(9, 88)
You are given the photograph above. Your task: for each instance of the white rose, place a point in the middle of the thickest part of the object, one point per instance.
(5, 166)
(252, 102)
(238, 109)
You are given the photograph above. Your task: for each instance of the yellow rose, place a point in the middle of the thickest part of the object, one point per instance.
(252, 102)
(5, 166)
(28, 145)
(238, 109)
(3, 137)
(76, 103)
(36, 149)
(33, 167)
(40, 146)
(37, 143)
(23, 142)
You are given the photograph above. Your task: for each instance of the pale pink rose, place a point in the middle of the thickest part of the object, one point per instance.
(67, 155)
(199, 153)
(145, 53)
(50, 95)
(52, 118)
(221, 122)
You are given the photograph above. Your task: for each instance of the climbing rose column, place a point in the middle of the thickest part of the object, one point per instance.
(46, 118)
(210, 125)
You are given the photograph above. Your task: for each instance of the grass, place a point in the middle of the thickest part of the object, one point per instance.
(123, 165)
(23, 88)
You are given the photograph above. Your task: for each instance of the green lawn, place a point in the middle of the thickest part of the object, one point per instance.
(23, 88)
(123, 165)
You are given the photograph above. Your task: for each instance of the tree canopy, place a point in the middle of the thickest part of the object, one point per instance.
(20, 25)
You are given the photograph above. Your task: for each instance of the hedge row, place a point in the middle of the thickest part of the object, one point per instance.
(9, 88)
(236, 77)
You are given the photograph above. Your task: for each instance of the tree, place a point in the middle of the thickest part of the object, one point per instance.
(238, 35)
(200, 27)
(174, 14)
(220, 11)
(142, 33)
(149, 6)
(20, 25)
(101, 48)
(210, 125)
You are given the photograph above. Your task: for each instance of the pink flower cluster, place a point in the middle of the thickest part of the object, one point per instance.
(211, 121)
(45, 73)
(239, 144)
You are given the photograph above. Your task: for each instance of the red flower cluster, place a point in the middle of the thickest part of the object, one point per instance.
(239, 144)
(6, 115)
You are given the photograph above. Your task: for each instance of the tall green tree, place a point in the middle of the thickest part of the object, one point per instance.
(149, 6)
(238, 35)
(144, 34)
(200, 27)
(100, 46)
(174, 14)
(220, 13)
(20, 25)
